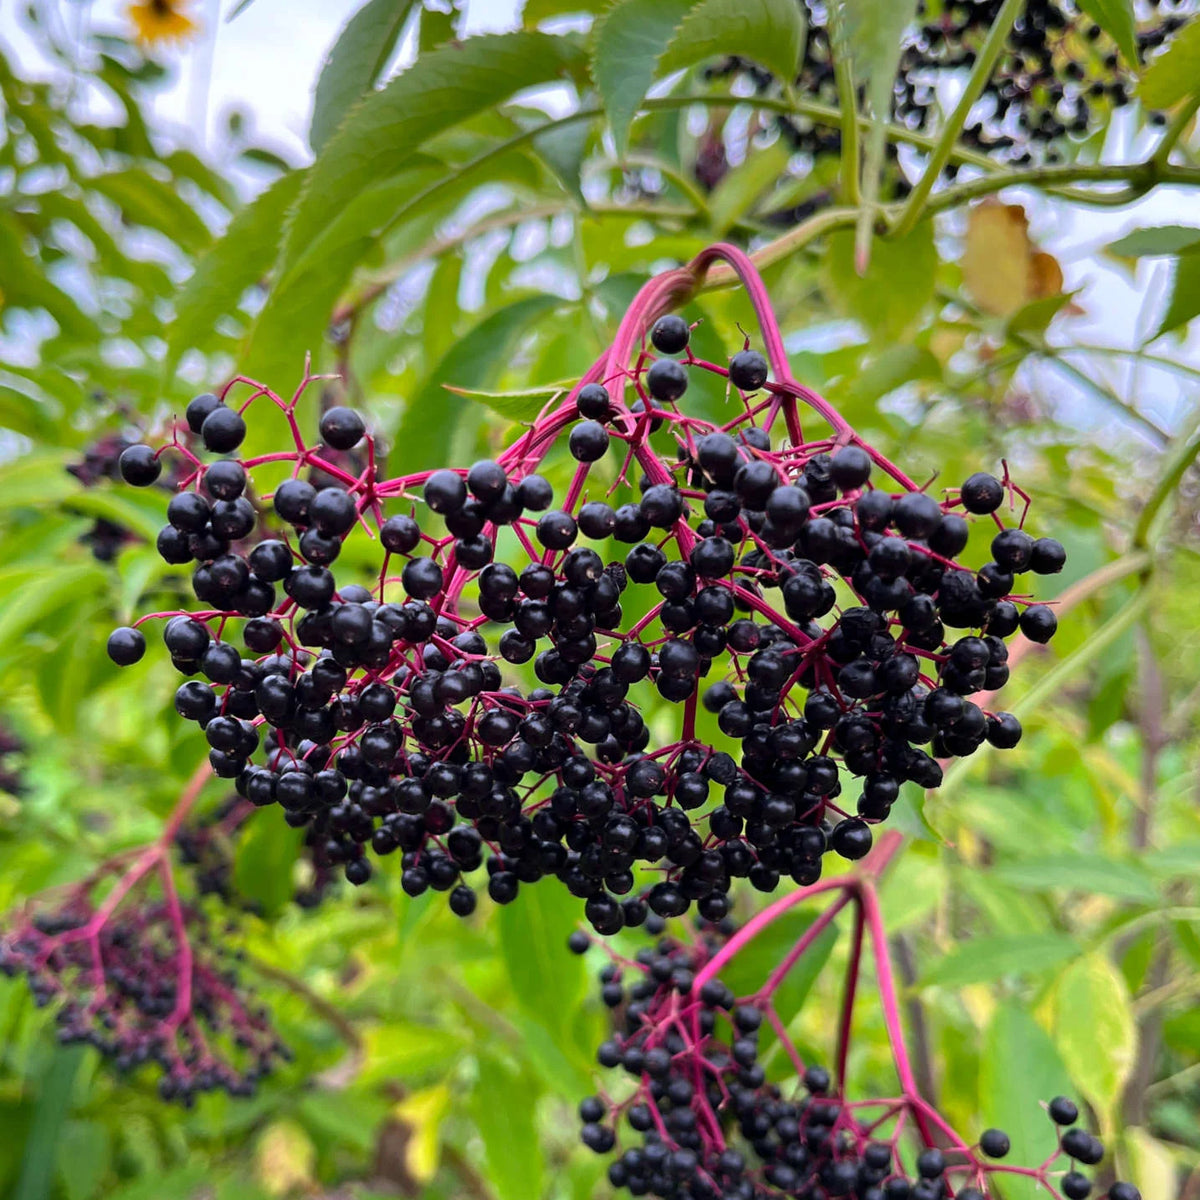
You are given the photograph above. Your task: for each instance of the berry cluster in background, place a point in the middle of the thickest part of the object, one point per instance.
(1059, 79)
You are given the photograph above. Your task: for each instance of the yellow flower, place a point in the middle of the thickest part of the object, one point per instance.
(161, 21)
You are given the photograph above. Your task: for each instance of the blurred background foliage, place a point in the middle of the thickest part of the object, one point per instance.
(1045, 912)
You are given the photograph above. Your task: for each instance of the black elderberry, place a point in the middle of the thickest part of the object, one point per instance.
(1081, 1145)
(995, 1143)
(139, 466)
(594, 402)
(1063, 1111)
(342, 428)
(982, 493)
(670, 334)
(126, 646)
(588, 441)
(445, 491)
(1038, 623)
(1075, 1185)
(1048, 557)
(666, 380)
(223, 430)
(199, 408)
(850, 468)
(748, 370)
(291, 500)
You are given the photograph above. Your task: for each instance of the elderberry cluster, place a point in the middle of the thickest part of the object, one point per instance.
(121, 985)
(1060, 76)
(698, 1119)
(397, 717)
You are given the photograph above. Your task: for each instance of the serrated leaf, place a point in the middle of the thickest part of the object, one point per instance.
(241, 258)
(389, 127)
(521, 405)
(1171, 75)
(504, 1115)
(895, 291)
(1184, 302)
(471, 364)
(1091, 1011)
(536, 11)
(354, 64)
(1080, 872)
(1155, 241)
(1116, 18)
(771, 32)
(984, 959)
(1019, 1070)
(627, 43)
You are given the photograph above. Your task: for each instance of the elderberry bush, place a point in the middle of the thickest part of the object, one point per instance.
(1059, 78)
(695, 1117)
(145, 981)
(803, 590)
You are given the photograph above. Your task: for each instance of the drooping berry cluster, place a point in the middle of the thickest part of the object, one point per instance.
(139, 977)
(696, 1117)
(1059, 77)
(395, 717)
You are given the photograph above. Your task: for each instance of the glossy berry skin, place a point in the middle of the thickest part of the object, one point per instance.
(223, 430)
(995, 1143)
(139, 466)
(1048, 557)
(1063, 1111)
(126, 646)
(982, 493)
(851, 838)
(588, 441)
(666, 380)
(1038, 623)
(594, 402)
(748, 370)
(342, 428)
(670, 334)
(199, 408)
(850, 468)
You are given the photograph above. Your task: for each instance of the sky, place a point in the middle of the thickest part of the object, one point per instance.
(266, 60)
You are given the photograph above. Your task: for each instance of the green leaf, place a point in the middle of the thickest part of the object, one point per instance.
(1155, 241)
(750, 969)
(85, 1154)
(521, 405)
(25, 607)
(239, 260)
(432, 415)
(1184, 303)
(1117, 19)
(771, 32)
(736, 195)
(1092, 1012)
(355, 63)
(627, 43)
(897, 287)
(983, 959)
(1020, 1070)
(262, 869)
(49, 1116)
(504, 1115)
(1171, 76)
(548, 982)
(536, 11)
(146, 200)
(440, 90)
(1080, 872)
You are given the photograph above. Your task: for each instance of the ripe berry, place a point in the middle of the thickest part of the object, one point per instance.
(462, 901)
(1038, 623)
(594, 402)
(1075, 1185)
(291, 500)
(1123, 1191)
(588, 441)
(1048, 557)
(982, 493)
(748, 370)
(445, 491)
(223, 430)
(225, 479)
(358, 870)
(486, 480)
(400, 534)
(670, 334)
(995, 1143)
(1013, 550)
(666, 380)
(1003, 730)
(126, 646)
(139, 466)
(850, 468)
(342, 428)
(1063, 1111)
(199, 408)
(851, 838)
(534, 493)
(1081, 1145)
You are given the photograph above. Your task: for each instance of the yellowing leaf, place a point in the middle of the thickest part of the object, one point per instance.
(1002, 269)
(1094, 1030)
(1151, 1165)
(284, 1159)
(421, 1114)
